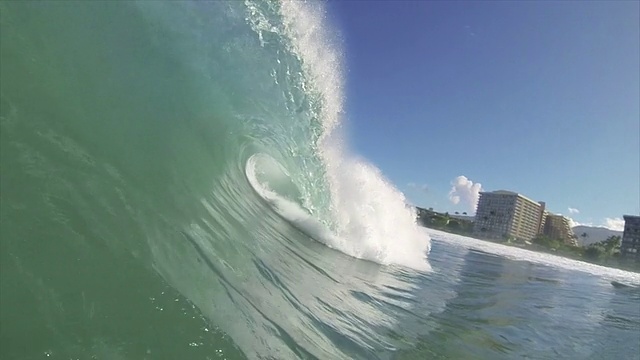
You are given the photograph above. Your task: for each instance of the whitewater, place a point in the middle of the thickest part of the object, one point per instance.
(175, 184)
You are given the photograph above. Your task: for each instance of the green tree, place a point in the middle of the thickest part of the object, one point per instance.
(547, 242)
(611, 245)
(454, 225)
(594, 252)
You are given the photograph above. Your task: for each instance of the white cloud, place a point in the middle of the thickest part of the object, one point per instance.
(574, 223)
(616, 224)
(465, 191)
(573, 211)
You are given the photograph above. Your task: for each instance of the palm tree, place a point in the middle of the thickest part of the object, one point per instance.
(584, 237)
(612, 243)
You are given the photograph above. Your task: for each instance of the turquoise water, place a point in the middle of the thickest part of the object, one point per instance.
(174, 185)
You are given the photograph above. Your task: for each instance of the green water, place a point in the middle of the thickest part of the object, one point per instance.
(131, 229)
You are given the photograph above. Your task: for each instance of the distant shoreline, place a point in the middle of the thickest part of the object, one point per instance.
(610, 263)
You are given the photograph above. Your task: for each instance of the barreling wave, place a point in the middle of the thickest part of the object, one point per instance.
(369, 217)
(193, 151)
(174, 185)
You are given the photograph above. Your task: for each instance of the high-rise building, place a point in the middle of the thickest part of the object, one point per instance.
(505, 214)
(558, 227)
(630, 246)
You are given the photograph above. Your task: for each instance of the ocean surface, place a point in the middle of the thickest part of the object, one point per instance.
(175, 184)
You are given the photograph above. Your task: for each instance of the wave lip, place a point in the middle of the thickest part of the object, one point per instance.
(367, 214)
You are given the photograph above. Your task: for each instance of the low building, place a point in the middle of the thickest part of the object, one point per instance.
(508, 215)
(558, 227)
(630, 246)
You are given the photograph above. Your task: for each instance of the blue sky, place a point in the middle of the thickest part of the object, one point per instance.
(541, 98)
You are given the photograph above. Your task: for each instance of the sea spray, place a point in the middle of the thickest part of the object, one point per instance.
(132, 227)
(370, 217)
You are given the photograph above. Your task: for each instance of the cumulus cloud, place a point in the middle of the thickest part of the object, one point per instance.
(573, 223)
(616, 224)
(573, 211)
(465, 191)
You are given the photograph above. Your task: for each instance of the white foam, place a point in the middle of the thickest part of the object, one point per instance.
(370, 217)
(388, 240)
(321, 60)
(551, 260)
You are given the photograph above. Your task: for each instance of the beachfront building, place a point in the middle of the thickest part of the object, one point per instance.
(508, 215)
(558, 227)
(630, 246)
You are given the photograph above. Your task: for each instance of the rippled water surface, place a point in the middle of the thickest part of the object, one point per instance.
(174, 186)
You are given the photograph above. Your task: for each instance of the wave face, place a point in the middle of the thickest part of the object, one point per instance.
(182, 163)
